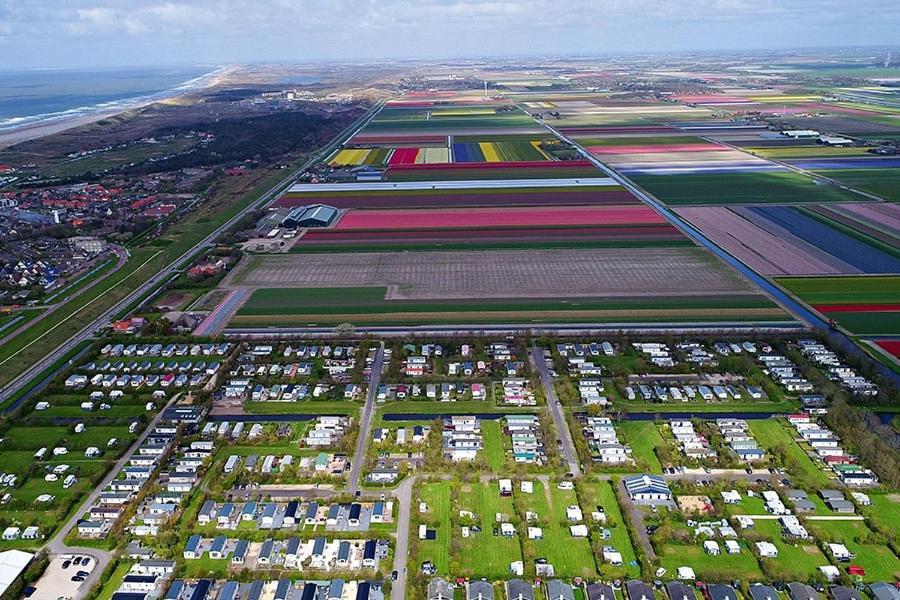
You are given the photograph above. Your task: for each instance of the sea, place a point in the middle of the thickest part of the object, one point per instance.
(33, 96)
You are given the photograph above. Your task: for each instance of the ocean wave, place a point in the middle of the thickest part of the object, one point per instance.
(13, 123)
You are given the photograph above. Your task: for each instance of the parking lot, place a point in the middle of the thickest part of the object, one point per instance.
(57, 579)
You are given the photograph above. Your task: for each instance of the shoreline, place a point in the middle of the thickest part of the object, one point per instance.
(52, 125)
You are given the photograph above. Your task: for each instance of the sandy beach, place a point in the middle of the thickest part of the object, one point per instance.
(32, 131)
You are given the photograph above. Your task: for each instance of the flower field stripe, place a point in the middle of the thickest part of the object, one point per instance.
(490, 152)
(842, 308)
(530, 164)
(656, 148)
(890, 346)
(844, 247)
(497, 217)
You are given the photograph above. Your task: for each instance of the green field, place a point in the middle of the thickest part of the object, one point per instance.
(885, 511)
(881, 182)
(284, 307)
(878, 561)
(772, 434)
(795, 562)
(437, 497)
(484, 554)
(643, 437)
(740, 188)
(492, 434)
(601, 494)
(849, 289)
(723, 567)
(570, 557)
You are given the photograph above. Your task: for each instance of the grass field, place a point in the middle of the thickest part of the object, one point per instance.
(773, 434)
(878, 560)
(570, 557)
(795, 562)
(723, 567)
(643, 437)
(885, 511)
(437, 497)
(492, 434)
(484, 554)
(601, 494)
(740, 188)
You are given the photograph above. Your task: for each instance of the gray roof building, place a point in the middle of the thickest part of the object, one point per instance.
(559, 590)
(479, 590)
(440, 589)
(759, 591)
(600, 591)
(638, 590)
(680, 591)
(517, 589)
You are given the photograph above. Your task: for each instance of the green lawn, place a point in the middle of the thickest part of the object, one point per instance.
(795, 562)
(773, 434)
(601, 494)
(643, 437)
(570, 557)
(885, 511)
(878, 560)
(723, 567)
(483, 554)
(492, 434)
(437, 497)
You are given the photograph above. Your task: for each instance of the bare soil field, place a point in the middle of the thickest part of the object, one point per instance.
(614, 272)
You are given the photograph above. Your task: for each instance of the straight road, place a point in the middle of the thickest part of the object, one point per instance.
(158, 278)
(365, 424)
(403, 494)
(539, 360)
(57, 544)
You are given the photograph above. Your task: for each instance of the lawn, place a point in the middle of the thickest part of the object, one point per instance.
(570, 557)
(723, 567)
(773, 434)
(885, 511)
(492, 434)
(303, 407)
(437, 497)
(878, 560)
(601, 494)
(483, 554)
(795, 562)
(741, 188)
(644, 438)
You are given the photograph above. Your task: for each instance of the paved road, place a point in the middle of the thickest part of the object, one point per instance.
(57, 544)
(158, 278)
(365, 424)
(538, 359)
(637, 519)
(403, 494)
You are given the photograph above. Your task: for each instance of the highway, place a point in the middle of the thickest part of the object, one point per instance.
(539, 360)
(156, 279)
(365, 423)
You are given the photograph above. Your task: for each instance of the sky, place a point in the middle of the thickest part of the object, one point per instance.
(101, 33)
